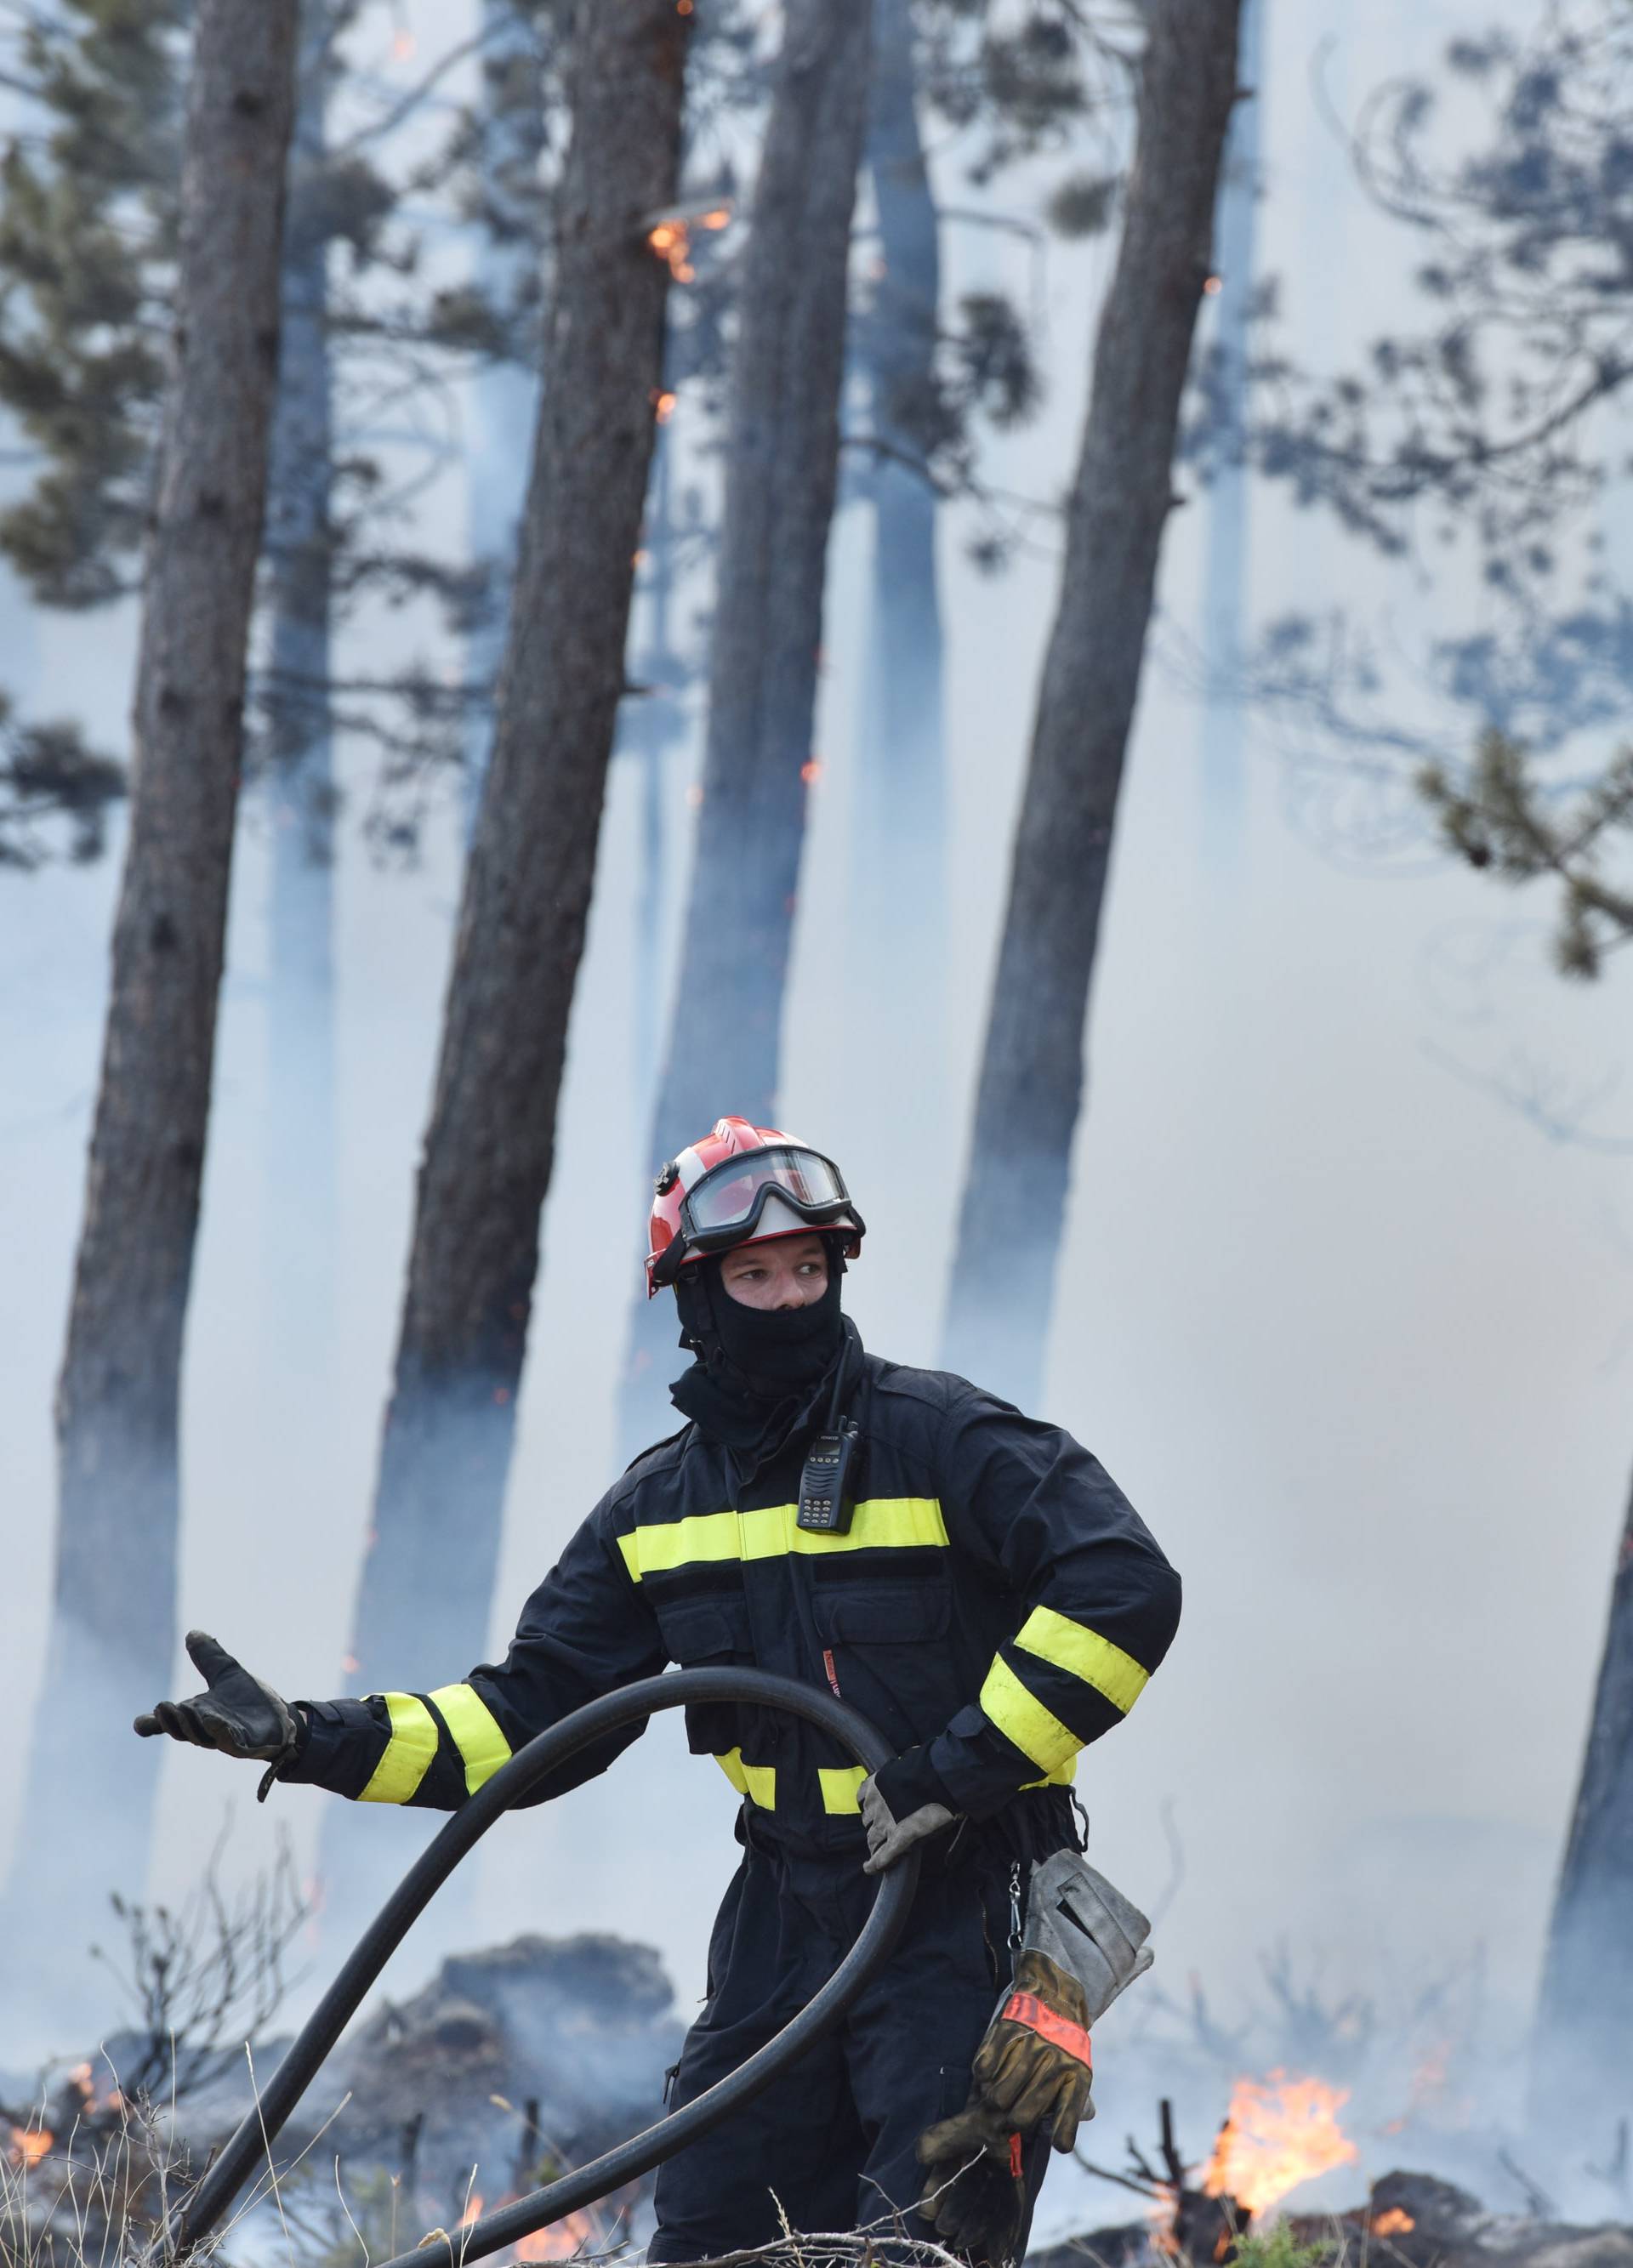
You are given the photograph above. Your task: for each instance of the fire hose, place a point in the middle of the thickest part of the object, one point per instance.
(198, 2214)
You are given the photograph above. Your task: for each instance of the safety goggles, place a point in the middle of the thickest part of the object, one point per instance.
(724, 1207)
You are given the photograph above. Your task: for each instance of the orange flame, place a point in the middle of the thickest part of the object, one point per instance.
(473, 2212)
(1277, 2133)
(1395, 2222)
(664, 408)
(29, 2145)
(580, 2232)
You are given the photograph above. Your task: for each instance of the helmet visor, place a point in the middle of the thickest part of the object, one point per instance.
(725, 1205)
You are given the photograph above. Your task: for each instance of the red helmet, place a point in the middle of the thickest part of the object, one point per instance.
(714, 1195)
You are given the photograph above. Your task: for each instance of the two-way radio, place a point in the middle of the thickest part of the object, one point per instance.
(828, 1483)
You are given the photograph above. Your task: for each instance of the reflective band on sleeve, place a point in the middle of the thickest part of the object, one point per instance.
(483, 1748)
(1022, 1717)
(1062, 1776)
(1060, 2031)
(409, 1752)
(758, 1782)
(1084, 1654)
(839, 1784)
(880, 1523)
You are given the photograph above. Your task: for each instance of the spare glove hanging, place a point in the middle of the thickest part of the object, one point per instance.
(1082, 1945)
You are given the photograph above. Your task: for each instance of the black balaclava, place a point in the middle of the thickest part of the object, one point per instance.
(766, 1354)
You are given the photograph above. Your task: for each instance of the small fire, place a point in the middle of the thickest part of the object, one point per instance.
(671, 240)
(580, 2232)
(664, 408)
(472, 2212)
(1278, 2132)
(810, 772)
(29, 2145)
(1395, 2222)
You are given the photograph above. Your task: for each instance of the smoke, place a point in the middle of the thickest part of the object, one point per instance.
(1353, 1339)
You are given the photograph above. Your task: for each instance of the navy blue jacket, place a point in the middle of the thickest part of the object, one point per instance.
(995, 1605)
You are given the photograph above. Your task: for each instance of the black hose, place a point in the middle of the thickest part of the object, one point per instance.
(195, 2219)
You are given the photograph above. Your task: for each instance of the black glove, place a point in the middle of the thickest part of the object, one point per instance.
(974, 2183)
(237, 1713)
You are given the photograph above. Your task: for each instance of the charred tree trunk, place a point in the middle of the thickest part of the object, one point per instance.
(782, 463)
(426, 1590)
(1031, 1077)
(1582, 2076)
(114, 1614)
(300, 777)
(898, 831)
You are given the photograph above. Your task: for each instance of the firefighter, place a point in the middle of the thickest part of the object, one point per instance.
(973, 1582)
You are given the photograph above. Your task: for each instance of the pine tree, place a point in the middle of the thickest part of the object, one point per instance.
(781, 475)
(422, 1611)
(1031, 1086)
(113, 1628)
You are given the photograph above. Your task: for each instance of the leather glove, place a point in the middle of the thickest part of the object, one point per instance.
(974, 2184)
(889, 1838)
(238, 1713)
(1034, 2064)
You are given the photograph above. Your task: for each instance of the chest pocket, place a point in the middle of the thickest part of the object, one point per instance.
(695, 1631)
(881, 1614)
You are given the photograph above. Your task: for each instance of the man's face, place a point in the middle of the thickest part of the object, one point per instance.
(791, 1271)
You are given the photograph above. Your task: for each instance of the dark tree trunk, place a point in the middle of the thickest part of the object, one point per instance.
(299, 1118)
(113, 1621)
(1225, 600)
(781, 470)
(653, 727)
(898, 831)
(503, 393)
(1032, 1077)
(1582, 2070)
(427, 1583)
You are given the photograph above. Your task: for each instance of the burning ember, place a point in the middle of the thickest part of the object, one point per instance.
(1278, 2132)
(671, 238)
(1395, 2222)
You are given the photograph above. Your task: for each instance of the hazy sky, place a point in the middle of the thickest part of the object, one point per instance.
(1355, 1338)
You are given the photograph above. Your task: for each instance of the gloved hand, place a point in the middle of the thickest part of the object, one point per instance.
(237, 1713)
(1035, 2062)
(889, 1838)
(975, 2185)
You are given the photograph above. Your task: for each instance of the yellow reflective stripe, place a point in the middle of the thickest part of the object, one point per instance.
(840, 1785)
(409, 1752)
(1020, 1715)
(758, 1782)
(481, 1744)
(1084, 1654)
(878, 1523)
(1062, 1776)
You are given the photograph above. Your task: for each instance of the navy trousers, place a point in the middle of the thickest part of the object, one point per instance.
(832, 2141)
